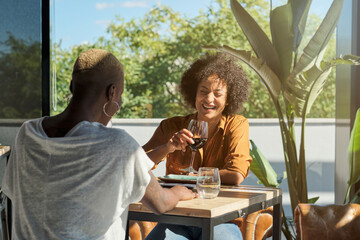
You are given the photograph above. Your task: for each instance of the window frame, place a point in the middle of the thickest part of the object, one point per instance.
(347, 100)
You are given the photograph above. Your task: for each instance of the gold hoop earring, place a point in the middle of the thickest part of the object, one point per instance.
(104, 108)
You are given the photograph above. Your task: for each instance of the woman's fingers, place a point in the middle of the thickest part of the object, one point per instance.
(179, 143)
(186, 136)
(183, 138)
(180, 140)
(186, 132)
(184, 193)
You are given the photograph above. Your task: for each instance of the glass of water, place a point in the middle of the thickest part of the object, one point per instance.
(208, 182)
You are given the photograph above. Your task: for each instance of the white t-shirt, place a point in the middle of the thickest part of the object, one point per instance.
(74, 187)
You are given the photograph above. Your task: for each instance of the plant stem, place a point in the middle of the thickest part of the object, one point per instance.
(285, 228)
(347, 193)
(295, 57)
(290, 157)
(301, 181)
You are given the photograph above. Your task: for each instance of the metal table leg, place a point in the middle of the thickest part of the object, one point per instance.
(207, 229)
(277, 220)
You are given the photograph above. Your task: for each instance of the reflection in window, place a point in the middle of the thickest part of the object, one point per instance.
(20, 59)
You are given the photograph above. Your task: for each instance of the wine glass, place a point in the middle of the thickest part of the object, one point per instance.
(199, 130)
(208, 182)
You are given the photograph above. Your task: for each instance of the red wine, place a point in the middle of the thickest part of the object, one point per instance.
(199, 143)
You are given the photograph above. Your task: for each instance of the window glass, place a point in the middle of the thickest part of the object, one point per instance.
(156, 41)
(20, 59)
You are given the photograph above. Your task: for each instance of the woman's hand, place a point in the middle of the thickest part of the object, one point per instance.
(160, 200)
(183, 192)
(180, 140)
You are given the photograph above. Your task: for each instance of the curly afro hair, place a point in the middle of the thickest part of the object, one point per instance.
(228, 71)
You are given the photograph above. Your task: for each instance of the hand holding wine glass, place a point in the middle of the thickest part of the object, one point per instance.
(199, 130)
(179, 141)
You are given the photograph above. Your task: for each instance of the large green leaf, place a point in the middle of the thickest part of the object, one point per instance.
(318, 42)
(313, 200)
(356, 198)
(354, 151)
(354, 158)
(300, 10)
(262, 168)
(302, 91)
(257, 38)
(347, 59)
(270, 79)
(282, 37)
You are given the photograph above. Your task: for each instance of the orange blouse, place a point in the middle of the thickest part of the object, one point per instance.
(228, 148)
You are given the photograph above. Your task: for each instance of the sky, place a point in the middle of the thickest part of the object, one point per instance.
(80, 21)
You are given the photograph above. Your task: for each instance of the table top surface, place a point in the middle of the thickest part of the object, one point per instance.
(4, 149)
(230, 199)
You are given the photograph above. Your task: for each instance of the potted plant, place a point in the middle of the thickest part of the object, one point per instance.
(293, 79)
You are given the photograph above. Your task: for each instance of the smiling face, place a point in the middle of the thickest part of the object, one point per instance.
(211, 98)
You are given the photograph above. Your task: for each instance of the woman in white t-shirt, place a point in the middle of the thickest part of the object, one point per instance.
(69, 176)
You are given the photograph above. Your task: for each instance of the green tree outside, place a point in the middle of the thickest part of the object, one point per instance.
(158, 47)
(20, 75)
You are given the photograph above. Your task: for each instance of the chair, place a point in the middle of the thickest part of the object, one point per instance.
(255, 226)
(4, 220)
(138, 230)
(134, 231)
(331, 222)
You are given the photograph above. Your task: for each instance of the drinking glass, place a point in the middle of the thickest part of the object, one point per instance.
(199, 130)
(208, 182)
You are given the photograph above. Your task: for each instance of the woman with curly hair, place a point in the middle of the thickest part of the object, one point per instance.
(216, 86)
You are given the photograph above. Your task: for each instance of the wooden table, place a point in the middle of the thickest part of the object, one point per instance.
(4, 152)
(232, 202)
